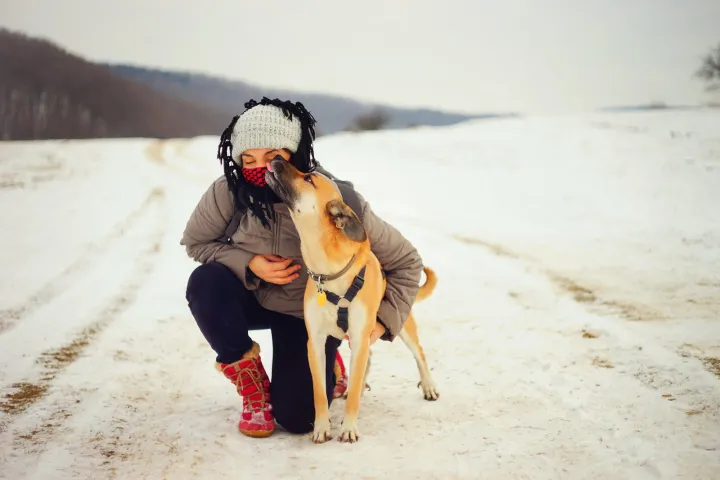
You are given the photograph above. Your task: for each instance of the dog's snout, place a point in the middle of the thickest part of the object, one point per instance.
(277, 164)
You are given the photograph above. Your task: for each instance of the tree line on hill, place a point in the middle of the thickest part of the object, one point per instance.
(47, 92)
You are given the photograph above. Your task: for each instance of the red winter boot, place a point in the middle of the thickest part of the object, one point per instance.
(253, 384)
(341, 379)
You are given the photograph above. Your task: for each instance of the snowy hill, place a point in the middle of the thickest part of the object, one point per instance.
(574, 332)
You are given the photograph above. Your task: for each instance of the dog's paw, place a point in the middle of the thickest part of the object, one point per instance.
(321, 433)
(430, 391)
(349, 432)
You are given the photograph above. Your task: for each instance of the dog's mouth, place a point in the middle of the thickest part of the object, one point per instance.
(279, 179)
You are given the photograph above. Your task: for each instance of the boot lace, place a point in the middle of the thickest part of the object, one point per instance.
(252, 370)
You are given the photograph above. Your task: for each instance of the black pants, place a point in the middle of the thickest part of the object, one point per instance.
(226, 311)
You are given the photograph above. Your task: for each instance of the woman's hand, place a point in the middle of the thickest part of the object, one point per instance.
(377, 332)
(274, 269)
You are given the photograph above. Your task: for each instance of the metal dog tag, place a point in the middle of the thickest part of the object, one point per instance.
(322, 298)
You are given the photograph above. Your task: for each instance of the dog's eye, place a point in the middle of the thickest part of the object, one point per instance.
(308, 178)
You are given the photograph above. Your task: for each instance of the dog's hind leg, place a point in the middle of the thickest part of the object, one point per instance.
(409, 335)
(367, 372)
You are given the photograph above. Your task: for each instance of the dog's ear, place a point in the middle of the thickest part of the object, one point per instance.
(346, 220)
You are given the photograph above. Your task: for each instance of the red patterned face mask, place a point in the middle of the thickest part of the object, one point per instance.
(256, 176)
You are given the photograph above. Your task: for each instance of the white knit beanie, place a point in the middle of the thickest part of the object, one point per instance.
(265, 126)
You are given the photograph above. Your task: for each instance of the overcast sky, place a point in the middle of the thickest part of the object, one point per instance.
(531, 56)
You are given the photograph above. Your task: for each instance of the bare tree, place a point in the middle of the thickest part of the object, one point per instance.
(373, 120)
(709, 70)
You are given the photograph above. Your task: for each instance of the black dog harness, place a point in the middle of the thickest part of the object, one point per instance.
(357, 284)
(343, 303)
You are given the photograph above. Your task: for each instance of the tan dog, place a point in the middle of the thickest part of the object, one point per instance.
(336, 248)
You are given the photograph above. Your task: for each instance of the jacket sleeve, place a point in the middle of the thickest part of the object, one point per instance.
(207, 224)
(403, 268)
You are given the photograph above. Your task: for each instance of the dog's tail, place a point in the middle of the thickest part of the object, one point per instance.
(427, 288)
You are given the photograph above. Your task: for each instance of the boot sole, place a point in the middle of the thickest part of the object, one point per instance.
(256, 433)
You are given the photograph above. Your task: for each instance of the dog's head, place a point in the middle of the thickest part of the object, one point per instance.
(311, 197)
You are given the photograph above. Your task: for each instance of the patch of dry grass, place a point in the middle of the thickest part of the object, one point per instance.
(498, 250)
(25, 394)
(586, 334)
(154, 151)
(579, 293)
(712, 364)
(65, 355)
(599, 362)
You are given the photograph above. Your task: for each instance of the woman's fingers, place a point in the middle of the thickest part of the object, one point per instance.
(280, 265)
(286, 275)
(286, 280)
(274, 269)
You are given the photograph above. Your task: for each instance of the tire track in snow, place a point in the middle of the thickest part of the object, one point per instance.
(31, 172)
(135, 438)
(30, 391)
(580, 293)
(155, 152)
(657, 370)
(55, 286)
(656, 367)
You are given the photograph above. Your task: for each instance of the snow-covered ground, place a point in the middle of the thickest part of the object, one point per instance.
(574, 332)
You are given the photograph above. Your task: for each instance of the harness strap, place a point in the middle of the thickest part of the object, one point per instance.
(232, 227)
(357, 284)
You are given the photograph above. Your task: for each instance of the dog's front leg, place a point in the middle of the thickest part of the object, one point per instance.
(316, 359)
(361, 323)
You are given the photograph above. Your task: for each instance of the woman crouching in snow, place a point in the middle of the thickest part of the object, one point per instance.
(253, 276)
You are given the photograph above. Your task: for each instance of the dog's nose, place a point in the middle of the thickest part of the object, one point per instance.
(276, 164)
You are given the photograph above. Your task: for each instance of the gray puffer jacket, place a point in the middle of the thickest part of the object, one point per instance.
(400, 260)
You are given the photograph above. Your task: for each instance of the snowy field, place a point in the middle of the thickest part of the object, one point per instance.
(574, 333)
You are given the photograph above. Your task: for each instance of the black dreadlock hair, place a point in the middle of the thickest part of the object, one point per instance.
(260, 199)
